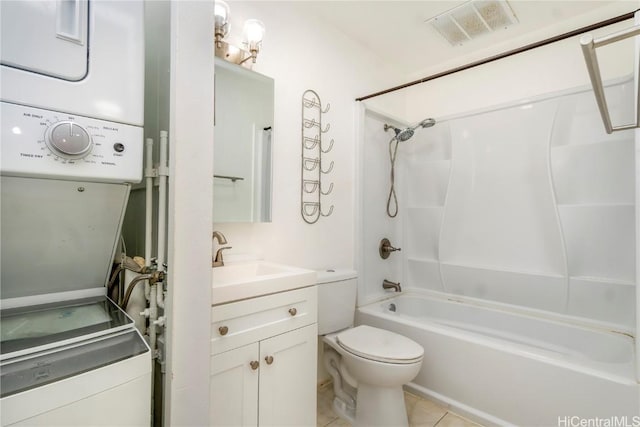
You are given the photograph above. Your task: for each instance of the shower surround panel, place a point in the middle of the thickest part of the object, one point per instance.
(531, 204)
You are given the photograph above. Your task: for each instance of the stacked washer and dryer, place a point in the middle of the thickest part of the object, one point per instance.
(71, 115)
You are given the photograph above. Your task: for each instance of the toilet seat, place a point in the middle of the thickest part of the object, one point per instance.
(380, 345)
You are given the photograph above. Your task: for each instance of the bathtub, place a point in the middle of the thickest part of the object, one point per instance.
(504, 367)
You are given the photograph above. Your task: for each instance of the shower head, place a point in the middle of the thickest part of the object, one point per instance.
(426, 123)
(406, 134)
(401, 134)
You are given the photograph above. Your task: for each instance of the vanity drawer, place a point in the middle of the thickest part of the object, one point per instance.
(244, 322)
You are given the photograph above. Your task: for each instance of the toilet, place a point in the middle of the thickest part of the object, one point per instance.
(368, 365)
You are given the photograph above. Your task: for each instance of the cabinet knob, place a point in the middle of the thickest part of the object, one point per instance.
(254, 364)
(269, 360)
(293, 311)
(223, 330)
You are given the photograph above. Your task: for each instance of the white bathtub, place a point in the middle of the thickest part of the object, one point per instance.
(508, 368)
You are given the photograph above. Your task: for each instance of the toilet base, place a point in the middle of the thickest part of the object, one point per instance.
(343, 411)
(380, 406)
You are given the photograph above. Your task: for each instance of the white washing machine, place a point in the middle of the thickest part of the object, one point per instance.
(71, 110)
(68, 354)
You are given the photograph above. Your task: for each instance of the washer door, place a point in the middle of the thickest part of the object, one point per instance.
(46, 37)
(57, 236)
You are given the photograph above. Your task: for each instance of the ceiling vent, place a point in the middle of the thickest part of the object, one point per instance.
(473, 19)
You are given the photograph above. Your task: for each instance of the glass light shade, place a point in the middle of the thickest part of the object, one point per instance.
(253, 31)
(221, 11)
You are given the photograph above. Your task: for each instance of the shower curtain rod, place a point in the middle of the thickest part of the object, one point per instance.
(521, 49)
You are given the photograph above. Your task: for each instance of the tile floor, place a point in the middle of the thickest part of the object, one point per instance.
(421, 412)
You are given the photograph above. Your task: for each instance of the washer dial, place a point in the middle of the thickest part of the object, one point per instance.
(69, 140)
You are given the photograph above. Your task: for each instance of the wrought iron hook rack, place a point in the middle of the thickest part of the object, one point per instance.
(312, 188)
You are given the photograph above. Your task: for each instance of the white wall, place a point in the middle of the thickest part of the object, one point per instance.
(190, 214)
(301, 53)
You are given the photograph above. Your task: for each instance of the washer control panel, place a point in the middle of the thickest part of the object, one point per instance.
(44, 143)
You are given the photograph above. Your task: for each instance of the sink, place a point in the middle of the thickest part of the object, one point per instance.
(243, 280)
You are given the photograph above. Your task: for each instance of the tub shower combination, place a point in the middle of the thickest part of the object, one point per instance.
(517, 227)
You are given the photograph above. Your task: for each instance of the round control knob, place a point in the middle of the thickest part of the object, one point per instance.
(68, 140)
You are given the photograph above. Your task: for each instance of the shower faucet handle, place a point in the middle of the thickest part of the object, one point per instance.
(385, 248)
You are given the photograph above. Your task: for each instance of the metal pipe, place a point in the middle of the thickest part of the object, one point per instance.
(153, 316)
(162, 199)
(589, 45)
(525, 48)
(591, 60)
(150, 290)
(163, 173)
(617, 36)
(149, 174)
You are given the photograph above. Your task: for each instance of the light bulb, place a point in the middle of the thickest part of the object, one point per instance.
(221, 11)
(253, 32)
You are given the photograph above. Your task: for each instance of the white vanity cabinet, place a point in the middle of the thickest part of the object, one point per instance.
(263, 360)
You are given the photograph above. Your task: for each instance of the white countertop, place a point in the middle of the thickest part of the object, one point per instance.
(242, 280)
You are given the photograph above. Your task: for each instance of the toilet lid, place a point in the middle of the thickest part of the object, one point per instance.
(380, 345)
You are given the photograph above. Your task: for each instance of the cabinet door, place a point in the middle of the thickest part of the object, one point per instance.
(288, 378)
(234, 387)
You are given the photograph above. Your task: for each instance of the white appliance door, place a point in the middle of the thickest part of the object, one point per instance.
(57, 236)
(47, 37)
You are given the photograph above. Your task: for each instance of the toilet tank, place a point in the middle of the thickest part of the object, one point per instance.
(336, 299)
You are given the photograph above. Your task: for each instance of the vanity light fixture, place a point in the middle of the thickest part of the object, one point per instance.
(221, 11)
(252, 37)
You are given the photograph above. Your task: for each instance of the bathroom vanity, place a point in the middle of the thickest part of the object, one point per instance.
(263, 347)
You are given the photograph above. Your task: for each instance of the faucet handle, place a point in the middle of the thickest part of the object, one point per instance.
(385, 248)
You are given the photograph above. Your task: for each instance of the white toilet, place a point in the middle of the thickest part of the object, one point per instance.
(368, 365)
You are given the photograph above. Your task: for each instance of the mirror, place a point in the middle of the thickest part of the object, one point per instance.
(243, 144)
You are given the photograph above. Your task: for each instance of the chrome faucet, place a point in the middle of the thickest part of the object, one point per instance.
(387, 284)
(218, 261)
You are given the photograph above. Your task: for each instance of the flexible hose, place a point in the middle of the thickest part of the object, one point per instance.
(128, 264)
(392, 201)
(132, 285)
(114, 276)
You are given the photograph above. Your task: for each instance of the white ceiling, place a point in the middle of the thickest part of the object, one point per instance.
(396, 30)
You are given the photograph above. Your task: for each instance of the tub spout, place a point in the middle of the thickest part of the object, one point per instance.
(388, 284)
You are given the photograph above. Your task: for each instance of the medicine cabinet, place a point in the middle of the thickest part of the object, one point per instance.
(242, 144)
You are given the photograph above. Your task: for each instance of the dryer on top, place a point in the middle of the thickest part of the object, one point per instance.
(76, 57)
